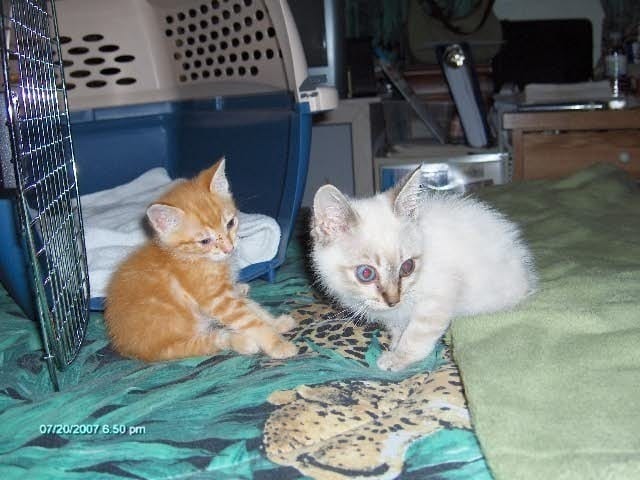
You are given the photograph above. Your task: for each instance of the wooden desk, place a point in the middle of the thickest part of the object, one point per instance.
(555, 144)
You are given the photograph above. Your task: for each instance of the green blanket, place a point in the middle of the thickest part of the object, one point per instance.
(554, 385)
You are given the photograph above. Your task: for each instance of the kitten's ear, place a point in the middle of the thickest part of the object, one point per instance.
(406, 194)
(215, 178)
(164, 219)
(332, 213)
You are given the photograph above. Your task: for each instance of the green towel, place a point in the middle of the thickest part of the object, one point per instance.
(554, 385)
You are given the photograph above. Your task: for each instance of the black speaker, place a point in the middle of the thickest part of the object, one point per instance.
(361, 79)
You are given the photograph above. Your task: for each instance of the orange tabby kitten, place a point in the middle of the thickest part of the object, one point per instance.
(176, 296)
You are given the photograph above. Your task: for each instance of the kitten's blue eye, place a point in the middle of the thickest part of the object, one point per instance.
(407, 268)
(366, 273)
(231, 223)
(205, 241)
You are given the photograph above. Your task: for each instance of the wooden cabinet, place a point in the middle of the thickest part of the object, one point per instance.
(555, 144)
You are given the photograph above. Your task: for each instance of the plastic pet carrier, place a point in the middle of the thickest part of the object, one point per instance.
(147, 83)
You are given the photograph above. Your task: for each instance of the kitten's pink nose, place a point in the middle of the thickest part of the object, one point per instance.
(391, 298)
(226, 246)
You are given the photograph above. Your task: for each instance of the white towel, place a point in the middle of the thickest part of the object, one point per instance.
(114, 226)
(258, 239)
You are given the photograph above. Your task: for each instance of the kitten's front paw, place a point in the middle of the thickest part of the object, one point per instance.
(284, 323)
(221, 339)
(283, 350)
(394, 361)
(243, 344)
(242, 289)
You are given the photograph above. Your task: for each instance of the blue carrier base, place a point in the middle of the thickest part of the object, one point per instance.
(265, 138)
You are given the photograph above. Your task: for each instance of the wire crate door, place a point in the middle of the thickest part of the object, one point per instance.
(46, 186)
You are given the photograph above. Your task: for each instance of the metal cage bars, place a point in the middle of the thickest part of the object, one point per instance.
(47, 188)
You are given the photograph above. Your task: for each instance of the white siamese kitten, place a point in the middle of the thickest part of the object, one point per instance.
(412, 261)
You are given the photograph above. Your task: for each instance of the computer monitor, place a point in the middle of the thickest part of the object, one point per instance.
(321, 28)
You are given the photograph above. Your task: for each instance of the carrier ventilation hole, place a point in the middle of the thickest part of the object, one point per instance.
(80, 73)
(240, 31)
(78, 50)
(94, 51)
(108, 48)
(96, 83)
(92, 37)
(126, 81)
(94, 61)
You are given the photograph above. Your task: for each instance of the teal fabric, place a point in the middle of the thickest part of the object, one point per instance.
(554, 385)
